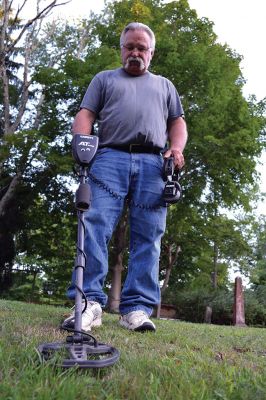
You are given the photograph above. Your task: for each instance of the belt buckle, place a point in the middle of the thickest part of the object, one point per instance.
(132, 145)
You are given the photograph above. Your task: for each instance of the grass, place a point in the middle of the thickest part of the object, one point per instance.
(180, 361)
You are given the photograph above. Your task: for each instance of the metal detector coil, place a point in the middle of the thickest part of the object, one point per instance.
(83, 354)
(81, 349)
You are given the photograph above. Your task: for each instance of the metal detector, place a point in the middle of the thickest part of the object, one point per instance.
(81, 349)
(172, 190)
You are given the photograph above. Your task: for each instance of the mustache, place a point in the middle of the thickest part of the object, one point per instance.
(135, 59)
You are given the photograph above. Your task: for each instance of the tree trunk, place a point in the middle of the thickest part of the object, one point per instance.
(117, 269)
(33, 286)
(215, 266)
(10, 194)
(172, 251)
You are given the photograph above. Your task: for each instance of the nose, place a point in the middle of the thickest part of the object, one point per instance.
(135, 52)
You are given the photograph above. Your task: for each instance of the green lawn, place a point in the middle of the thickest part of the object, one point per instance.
(180, 361)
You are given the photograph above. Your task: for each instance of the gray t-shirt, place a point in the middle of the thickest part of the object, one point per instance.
(132, 109)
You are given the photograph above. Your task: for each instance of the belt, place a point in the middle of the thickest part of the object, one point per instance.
(136, 148)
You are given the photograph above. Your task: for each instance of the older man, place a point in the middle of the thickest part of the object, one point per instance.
(137, 113)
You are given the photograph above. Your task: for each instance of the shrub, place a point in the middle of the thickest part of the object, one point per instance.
(191, 305)
(255, 306)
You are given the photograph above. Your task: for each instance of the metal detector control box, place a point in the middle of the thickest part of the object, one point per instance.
(84, 148)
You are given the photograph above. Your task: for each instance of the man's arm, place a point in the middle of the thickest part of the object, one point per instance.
(83, 122)
(177, 133)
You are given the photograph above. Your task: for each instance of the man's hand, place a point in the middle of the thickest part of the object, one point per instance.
(83, 122)
(178, 157)
(177, 132)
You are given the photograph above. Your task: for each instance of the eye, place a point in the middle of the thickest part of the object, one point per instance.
(129, 47)
(141, 48)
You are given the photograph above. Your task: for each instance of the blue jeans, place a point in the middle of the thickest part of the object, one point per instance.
(114, 177)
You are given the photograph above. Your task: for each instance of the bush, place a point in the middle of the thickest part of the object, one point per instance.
(191, 305)
(255, 306)
(24, 292)
(222, 304)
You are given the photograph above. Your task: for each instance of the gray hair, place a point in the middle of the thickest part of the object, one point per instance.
(133, 26)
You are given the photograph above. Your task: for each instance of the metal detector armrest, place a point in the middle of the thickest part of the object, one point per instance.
(84, 148)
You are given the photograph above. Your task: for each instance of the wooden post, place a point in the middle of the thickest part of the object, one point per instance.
(115, 290)
(158, 311)
(239, 311)
(208, 315)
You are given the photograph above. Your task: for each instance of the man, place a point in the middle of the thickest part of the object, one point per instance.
(137, 113)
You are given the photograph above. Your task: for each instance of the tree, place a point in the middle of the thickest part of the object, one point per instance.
(224, 129)
(225, 133)
(225, 136)
(27, 160)
(258, 272)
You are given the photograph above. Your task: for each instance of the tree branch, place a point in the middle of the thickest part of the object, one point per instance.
(38, 16)
(25, 85)
(18, 10)
(3, 32)
(6, 103)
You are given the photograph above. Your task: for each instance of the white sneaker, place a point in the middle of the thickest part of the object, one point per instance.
(137, 321)
(91, 317)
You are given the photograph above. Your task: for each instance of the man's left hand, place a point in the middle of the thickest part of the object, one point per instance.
(178, 157)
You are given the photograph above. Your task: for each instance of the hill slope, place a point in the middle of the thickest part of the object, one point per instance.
(180, 361)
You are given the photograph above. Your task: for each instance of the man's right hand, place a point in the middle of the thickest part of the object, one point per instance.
(83, 122)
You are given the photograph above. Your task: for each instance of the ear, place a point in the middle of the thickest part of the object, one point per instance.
(152, 53)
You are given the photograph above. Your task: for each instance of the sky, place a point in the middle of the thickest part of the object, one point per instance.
(239, 23)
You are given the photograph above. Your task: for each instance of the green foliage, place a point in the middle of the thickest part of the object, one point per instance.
(29, 291)
(255, 306)
(49, 240)
(258, 272)
(226, 135)
(191, 305)
(40, 151)
(207, 244)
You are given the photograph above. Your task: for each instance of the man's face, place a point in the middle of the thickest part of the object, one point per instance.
(136, 52)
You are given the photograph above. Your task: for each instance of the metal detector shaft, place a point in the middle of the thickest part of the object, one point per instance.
(79, 272)
(82, 349)
(82, 204)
